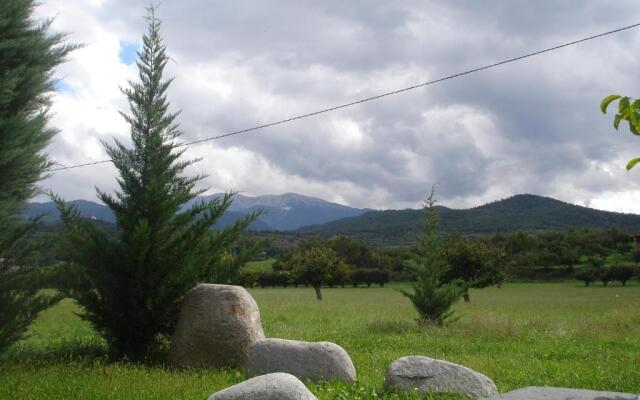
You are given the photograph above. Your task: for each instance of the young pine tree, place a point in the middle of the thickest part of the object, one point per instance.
(28, 56)
(131, 286)
(431, 296)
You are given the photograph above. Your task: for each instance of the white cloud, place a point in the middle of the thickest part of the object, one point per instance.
(526, 127)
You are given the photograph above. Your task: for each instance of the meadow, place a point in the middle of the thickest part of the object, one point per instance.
(553, 334)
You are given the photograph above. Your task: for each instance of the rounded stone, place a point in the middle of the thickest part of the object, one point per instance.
(553, 393)
(216, 327)
(315, 361)
(426, 374)
(278, 386)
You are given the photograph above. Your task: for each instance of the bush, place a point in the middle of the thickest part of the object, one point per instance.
(382, 277)
(368, 276)
(605, 275)
(273, 279)
(247, 279)
(587, 275)
(622, 274)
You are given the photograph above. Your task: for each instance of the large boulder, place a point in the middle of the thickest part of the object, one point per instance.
(426, 374)
(551, 393)
(217, 326)
(321, 361)
(277, 386)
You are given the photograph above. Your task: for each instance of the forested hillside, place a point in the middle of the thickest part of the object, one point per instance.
(521, 212)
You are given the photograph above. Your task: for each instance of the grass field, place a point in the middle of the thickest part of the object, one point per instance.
(519, 335)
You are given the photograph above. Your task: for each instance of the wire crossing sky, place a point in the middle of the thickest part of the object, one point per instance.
(530, 127)
(380, 96)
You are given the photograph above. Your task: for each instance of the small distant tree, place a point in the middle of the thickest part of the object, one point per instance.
(474, 262)
(355, 253)
(29, 54)
(382, 277)
(635, 256)
(317, 265)
(431, 296)
(131, 286)
(587, 275)
(605, 275)
(569, 257)
(622, 274)
(227, 268)
(596, 261)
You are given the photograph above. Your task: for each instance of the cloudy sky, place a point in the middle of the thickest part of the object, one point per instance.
(526, 127)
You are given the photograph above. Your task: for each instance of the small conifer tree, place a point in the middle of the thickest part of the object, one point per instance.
(431, 296)
(28, 56)
(131, 286)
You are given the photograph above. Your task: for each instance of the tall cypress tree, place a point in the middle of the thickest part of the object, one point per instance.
(28, 56)
(432, 297)
(131, 286)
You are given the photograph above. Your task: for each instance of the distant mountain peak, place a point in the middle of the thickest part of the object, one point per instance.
(283, 212)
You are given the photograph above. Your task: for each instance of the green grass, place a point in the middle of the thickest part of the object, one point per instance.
(519, 335)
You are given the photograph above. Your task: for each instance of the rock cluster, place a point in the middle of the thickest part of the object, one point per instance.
(219, 326)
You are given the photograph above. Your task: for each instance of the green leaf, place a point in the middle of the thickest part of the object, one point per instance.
(607, 100)
(623, 105)
(635, 128)
(632, 163)
(616, 121)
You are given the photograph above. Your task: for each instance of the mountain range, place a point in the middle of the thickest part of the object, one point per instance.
(524, 212)
(306, 215)
(286, 212)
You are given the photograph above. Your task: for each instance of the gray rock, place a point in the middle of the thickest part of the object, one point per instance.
(321, 361)
(426, 374)
(217, 326)
(277, 386)
(551, 393)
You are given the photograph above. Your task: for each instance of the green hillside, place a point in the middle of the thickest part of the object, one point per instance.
(521, 212)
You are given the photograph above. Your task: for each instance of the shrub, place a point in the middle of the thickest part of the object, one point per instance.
(382, 277)
(622, 274)
(605, 275)
(247, 279)
(587, 275)
(273, 278)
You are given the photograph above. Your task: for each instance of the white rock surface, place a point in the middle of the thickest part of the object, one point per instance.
(427, 374)
(551, 393)
(217, 326)
(321, 361)
(278, 386)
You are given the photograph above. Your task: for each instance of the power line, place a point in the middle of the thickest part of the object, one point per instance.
(379, 96)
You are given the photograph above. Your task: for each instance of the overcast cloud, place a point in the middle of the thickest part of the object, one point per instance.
(527, 127)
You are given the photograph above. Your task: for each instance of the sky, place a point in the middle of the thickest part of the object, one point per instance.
(533, 126)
